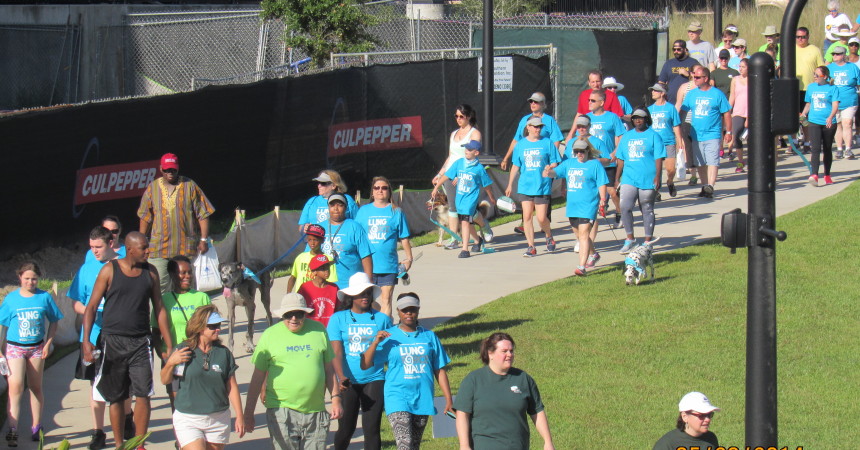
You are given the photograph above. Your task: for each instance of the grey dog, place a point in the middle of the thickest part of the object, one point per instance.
(240, 290)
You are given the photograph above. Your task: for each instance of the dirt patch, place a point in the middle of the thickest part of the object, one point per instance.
(57, 263)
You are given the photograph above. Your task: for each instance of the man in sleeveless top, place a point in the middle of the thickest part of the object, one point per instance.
(128, 286)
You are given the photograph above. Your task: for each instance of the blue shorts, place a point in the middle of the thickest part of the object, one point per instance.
(384, 279)
(707, 153)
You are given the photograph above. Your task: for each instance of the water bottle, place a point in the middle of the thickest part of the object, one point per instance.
(179, 369)
(96, 355)
(403, 274)
(4, 367)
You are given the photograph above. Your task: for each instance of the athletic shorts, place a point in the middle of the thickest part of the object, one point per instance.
(214, 427)
(126, 367)
(83, 372)
(707, 153)
(536, 199)
(671, 151)
(847, 113)
(468, 218)
(577, 221)
(24, 351)
(384, 279)
(610, 173)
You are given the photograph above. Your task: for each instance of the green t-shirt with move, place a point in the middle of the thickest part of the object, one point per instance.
(499, 406)
(179, 310)
(295, 363)
(303, 274)
(205, 391)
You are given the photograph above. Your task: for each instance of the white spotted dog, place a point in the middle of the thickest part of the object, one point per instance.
(439, 206)
(638, 261)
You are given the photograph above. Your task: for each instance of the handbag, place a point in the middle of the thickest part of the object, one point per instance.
(206, 270)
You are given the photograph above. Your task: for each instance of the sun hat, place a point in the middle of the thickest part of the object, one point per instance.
(336, 198)
(506, 204)
(535, 122)
(844, 31)
(215, 318)
(291, 301)
(739, 42)
(358, 283)
(610, 82)
(582, 120)
(323, 178)
(315, 230)
(657, 87)
(695, 26)
(696, 401)
(169, 161)
(407, 301)
(538, 97)
(318, 261)
(770, 30)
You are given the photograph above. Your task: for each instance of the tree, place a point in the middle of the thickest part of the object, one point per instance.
(321, 27)
(503, 8)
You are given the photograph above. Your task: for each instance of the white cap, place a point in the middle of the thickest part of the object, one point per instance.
(696, 401)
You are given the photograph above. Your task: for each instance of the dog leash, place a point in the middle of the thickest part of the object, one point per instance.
(256, 275)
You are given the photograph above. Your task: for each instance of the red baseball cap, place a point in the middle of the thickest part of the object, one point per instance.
(319, 261)
(170, 161)
(315, 230)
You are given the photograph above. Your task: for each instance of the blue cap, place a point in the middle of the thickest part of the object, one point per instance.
(473, 145)
(215, 318)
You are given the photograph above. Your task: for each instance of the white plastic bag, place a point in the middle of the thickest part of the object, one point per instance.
(206, 270)
(681, 166)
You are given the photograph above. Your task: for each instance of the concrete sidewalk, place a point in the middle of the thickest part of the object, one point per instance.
(681, 221)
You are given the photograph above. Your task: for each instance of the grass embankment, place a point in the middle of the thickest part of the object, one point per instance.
(612, 361)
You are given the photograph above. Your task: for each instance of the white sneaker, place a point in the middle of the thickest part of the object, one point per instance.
(576, 247)
(488, 234)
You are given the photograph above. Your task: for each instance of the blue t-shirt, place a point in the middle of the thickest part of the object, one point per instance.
(665, 118)
(626, 107)
(606, 127)
(25, 316)
(316, 210)
(413, 360)
(531, 157)
(384, 227)
(82, 287)
(820, 98)
(845, 78)
(639, 151)
(91, 257)
(605, 151)
(471, 178)
(735, 62)
(350, 243)
(550, 128)
(706, 110)
(583, 180)
(356, 332)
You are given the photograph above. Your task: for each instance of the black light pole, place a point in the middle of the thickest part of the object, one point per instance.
(488, 78)
(718, 20)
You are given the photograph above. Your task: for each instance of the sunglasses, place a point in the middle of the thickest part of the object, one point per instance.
(611, 87)
(324, 183)
(579, 151)
(698, 78)
(801, 37)
(170, 171)
(381, 188)
(459, 116)
(296, 314)
(114, 231)
(533, 101)
(701, 416)
(206, 362)
(591, 100)
(677, 49)
(536, 126)
(214, 326)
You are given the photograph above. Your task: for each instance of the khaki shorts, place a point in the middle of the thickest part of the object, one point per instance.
(213, 428)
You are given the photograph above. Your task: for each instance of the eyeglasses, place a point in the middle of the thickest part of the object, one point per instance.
(214, 326)
(701, 416)
(170, 171)
(459, 116)
(324, 183)
(801, 37)
(297, 314)
(114, 231)
(381, 188)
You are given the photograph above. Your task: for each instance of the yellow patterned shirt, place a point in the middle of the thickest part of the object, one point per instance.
(170, 215)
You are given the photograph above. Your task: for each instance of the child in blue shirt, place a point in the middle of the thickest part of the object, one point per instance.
(470, 177)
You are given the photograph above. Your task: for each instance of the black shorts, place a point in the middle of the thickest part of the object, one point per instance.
(126, 367)
(466, 218)
(610, 173)
(577, 221)
(537, 199)
(83, 372)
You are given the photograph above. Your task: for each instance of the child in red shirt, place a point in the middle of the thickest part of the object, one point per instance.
(320, 294)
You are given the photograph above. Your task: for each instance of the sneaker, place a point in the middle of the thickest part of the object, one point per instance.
(740, 168)
(708, 191)
(519, 230)
(813, 180)
(12, 437)
(693, 180)
(658, 198)
(128, 429)
(732, 156)
(592, 260)
(464, 254)
(530, 252)
(628, 246)
(98, 440)
(827, 179)
(672, 191)
(488, 234)
(477, 246)
(453, 244)
(838, 154)
(576, 247)
(580, 271)
(34, 433)
(849, 154)
(722, 153)
(550, 245)
(702, 192)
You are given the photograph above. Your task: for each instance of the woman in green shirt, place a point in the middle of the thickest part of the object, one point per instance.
(693, 427)
(206, 386)
(493, 402)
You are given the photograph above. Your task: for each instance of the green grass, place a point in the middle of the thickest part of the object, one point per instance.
(612, 361)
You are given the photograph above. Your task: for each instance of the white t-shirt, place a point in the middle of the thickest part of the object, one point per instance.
(831, 24)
